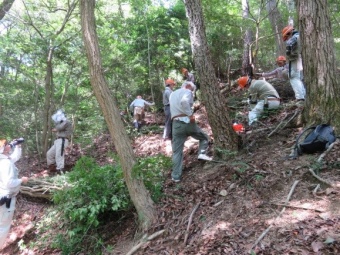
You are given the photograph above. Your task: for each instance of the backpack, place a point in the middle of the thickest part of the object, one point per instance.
(318, 139)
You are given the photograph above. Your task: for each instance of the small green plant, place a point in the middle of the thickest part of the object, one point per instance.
(95, 193)
(151, 171)
(222, 153)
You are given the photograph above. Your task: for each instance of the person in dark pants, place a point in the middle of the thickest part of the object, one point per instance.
(183, 126)
(169, 86)
(56, 154)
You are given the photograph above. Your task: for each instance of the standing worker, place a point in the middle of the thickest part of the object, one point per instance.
(281, 72)
(183, 126)
(137, 106)
(169, 87)
(9, 184)
(262, 94)
(293, 54)
(56, 154)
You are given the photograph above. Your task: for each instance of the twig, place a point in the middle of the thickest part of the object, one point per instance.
(328, 149)
(319, 178)
(189, 223)
(282, 211)
(277, 127)
(145, 240)
(316, 189)
(297, 207)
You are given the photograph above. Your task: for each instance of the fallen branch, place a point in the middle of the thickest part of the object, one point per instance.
(144, 241)
(328, 150)
(319, 178)
(189, 223)
(282, 211)
(315, 190)
(298, 207)
(41, 188)
(277, 127)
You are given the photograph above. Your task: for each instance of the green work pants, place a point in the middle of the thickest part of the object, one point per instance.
(180, 132)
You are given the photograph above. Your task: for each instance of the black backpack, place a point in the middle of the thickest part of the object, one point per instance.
(318, 139)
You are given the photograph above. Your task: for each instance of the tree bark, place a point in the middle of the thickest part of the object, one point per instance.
(216, 104)
(277, 24)
(138, 193)
(5, 6)
(323, 101)
(246, 60)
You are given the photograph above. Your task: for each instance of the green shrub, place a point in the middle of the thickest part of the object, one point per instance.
(94, 190)
(151, 171)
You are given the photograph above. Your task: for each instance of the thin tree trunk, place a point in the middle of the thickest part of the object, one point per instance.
(277, 24)
(138, 193)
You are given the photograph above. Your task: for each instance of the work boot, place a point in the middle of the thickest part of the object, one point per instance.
(60, 171)
(52, 168)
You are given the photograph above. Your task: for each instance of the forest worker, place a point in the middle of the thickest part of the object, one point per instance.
(281, 72)
(261, 94)
(169, 87)
(137, 107)
(9, 185)
(187, 75)
(183, 126)
(56, 154)
(293, 54)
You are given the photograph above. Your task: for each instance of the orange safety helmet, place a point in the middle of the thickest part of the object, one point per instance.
(169, 82)
(243, 81)
(286, 31)
(184, 70)
(281, 58)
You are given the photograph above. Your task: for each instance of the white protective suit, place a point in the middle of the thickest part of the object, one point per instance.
(9, 187)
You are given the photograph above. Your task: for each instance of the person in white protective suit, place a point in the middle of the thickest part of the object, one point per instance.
(56, 154)
(9, 185)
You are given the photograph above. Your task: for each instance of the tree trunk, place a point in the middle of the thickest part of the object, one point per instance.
(323, 102)
(216, 104)
(5, 6)
(49, 90)
(277, 24)
(138, 193)
(246, 60)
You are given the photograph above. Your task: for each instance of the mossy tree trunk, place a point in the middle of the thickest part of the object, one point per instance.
(323, 101)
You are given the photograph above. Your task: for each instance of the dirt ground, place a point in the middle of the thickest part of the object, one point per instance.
(260, 202)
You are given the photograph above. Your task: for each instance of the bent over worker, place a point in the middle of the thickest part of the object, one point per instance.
(183, 126)
(137, 106)
(261, 94)
(56, 154)
(281, 72)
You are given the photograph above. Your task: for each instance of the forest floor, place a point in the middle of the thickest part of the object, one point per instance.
(259, 201)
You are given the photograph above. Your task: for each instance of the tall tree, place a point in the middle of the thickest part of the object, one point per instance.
(277, 24)
(216, 105)
(138, 193)
(247, 39)
(323, 102)
(5, 6)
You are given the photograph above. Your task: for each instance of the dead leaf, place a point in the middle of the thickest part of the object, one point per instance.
(316, 246)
